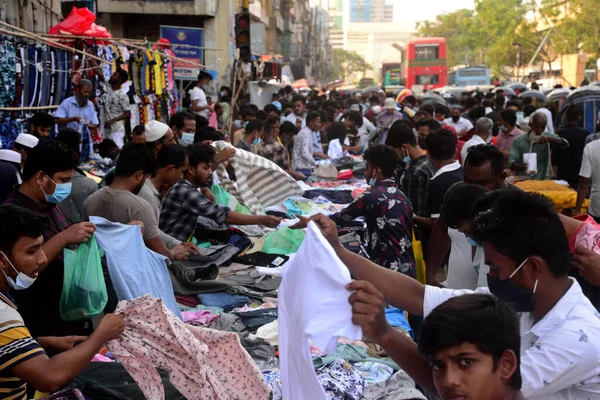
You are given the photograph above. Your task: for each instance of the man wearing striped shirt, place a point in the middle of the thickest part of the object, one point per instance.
(23, 359)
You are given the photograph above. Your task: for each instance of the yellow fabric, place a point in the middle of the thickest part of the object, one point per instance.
(13, 334)
(419, 262)
(39, 395)
(563, 197)
(159, 74)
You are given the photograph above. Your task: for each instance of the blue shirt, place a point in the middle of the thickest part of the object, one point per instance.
(69, 109)
(316, 144)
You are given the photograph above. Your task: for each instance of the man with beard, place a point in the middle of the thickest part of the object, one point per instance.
(117, 109)
(119, 203)
(77, 108)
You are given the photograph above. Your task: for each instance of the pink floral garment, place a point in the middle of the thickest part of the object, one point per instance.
(202, 363)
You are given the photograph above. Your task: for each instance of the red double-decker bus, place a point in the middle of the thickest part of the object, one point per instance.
(426, 63)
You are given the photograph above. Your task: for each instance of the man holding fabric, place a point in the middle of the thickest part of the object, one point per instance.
(77, 108)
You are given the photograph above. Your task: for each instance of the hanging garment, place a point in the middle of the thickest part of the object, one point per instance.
(33, 76)
(159, 73)
(134, 269)
(202, 363)
(45, 76)
(7, 73)
(147, 72)
(18, 77)
(53, 77)
(87, 145)
(260, 182)
(313, 308)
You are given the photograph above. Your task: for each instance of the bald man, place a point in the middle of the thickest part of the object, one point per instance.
(77, 108)
(538, 141)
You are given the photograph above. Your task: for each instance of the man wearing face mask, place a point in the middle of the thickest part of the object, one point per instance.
(538, 141)
(119, 201)
(183, 125)
(483, 135)
(46, 183)
(252, 136)
(461, 125)
(414, 170)
(529, 266)
(77, 108)
(507, 125)
(25, 364)
(423, 128)
(200, 105)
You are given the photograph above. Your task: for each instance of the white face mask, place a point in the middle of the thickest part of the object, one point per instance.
(23, 281)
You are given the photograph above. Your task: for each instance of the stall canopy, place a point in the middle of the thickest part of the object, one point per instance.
(80, 22)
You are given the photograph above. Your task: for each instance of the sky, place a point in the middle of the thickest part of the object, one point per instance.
(411, 13)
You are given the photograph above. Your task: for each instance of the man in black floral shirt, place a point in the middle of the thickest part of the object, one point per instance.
(388, 213)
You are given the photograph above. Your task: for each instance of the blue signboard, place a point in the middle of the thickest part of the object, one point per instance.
(187, 36)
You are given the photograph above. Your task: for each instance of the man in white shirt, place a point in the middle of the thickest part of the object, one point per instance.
(200, 105)
(526, 247)
(483, 135)
(117, 108)
(298, 117)
(587, 176)
(461, 125)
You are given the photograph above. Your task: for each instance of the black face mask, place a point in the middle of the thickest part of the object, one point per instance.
(455, 118)
(422, 143)
(505, 289)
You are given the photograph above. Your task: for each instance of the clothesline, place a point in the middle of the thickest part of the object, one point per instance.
(139, 41)
(28, 108)
(50, 69)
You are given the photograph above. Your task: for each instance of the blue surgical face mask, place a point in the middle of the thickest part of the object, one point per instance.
(61, 192)
(186, 139)
(245, 124)
(406, 160)
(506, 289)
(23, 281)
(238, 123)
(222, 93)
(503, 129)
(473, 242)
(257, 141)
(204, 87)
(372, 182)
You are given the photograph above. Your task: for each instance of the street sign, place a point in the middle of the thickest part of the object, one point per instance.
(187, 36)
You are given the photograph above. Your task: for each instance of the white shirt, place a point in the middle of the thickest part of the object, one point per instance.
(560, 355)
(313, 308)
(461, 274)
(474, 141)
(548, 114)
(198, 94)
(366, 132)
(463, 124)
(293, 117)
(590, 163)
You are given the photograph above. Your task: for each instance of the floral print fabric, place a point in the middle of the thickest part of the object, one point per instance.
(202, 363)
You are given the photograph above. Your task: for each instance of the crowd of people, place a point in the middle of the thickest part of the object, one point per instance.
(438, 174)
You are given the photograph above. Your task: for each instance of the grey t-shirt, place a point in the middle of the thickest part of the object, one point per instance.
(151, 195)
(122, 206)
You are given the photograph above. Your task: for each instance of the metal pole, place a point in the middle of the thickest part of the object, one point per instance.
(536, 53)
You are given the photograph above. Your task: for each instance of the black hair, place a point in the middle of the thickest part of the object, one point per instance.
(573, 113)
(410, 99)
(288, 127)
(71, 138)
(206, 132)
(134, 158)
(431, 123)
(199, 153)
(260, 115)
(476, 113)
(269, 108)
(459, 202)
(18, 222)
(471, 102)
(509, 116)
(138, 130)
(483, 153)
(403, 122)
(441, 144)
(50, 157)
(270, 121)
(529, 109)
(520, 225)
(513, 103)
(204, 75)
(254, 125)
(105, 147)
(499, 101)
(123, 75)
(200, 120)
(482, 320)
(288, 89)
(311, 116)
(440, 110)
(527, 101)
(421, 113)
(382, 157)
(374, 100)
(172, 154)
(245, 112)
(428, 108)
(43, 120)
(178, 119)
(298, 97)
(356, 117)
(399, 135)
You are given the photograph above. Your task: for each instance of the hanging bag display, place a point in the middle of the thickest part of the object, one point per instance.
(84, 291)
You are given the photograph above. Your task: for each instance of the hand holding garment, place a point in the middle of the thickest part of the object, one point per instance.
(313, 306)
(202, 363)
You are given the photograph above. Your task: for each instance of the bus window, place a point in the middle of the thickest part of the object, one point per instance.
(432, 79)
(427, 52)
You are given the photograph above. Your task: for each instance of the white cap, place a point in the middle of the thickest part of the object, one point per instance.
(389, 104)
(377, 110)
(27, 140)
(10, 156)
(354, 107)
(155, 130)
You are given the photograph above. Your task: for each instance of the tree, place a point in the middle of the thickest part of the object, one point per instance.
(347, 62)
